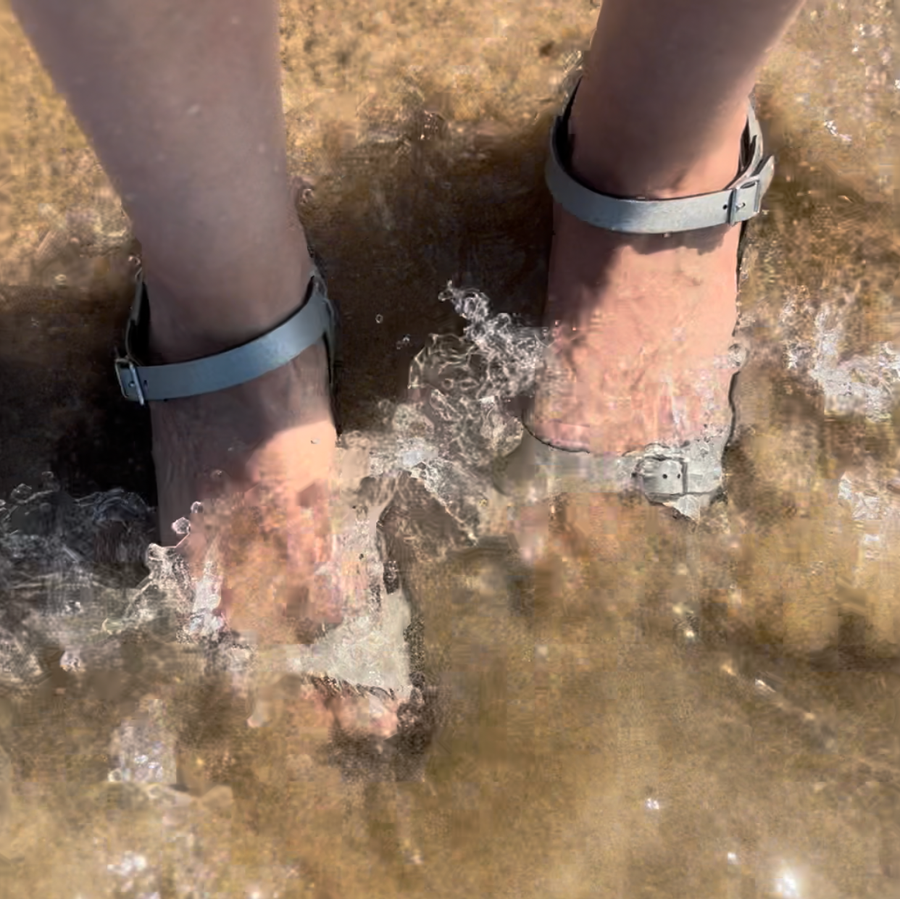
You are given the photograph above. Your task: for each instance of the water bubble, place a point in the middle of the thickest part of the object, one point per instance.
(20, 493)
(379, 319)
(197, 508)
(182, 527)
(404, 342)
(70, 661)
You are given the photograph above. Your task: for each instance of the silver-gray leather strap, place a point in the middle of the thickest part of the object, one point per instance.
(149, 383)
(738, 202)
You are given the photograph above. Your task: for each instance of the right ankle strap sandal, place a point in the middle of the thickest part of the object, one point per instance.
(686, 477)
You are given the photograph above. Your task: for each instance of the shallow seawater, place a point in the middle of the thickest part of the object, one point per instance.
(662, 708)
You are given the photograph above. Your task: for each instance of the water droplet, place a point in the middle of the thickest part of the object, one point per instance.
(379, 319)
(197, 508)
(182, 527)
(787, 887)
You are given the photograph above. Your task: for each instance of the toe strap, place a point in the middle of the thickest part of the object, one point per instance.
(740, 201)
(316, 319)
(686, 478)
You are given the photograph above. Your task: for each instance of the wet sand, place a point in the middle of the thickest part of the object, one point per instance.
(663, 709)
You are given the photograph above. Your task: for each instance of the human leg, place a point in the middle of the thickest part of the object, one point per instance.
(182, 104)
(644, 321)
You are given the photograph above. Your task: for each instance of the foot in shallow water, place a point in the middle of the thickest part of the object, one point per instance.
(642, 328)
(643, 325)
(253, 469)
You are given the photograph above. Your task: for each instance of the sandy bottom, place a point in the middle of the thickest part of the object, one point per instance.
(663, 709)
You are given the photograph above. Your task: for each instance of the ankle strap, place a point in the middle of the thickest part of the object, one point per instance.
(316, 319)
(739, 202)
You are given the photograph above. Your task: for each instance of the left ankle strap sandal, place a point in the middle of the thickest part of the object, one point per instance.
(315, 320)
(687, 477)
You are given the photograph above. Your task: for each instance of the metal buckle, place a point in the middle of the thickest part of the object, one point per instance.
(661, 476)
(134, 382)
(735, 206)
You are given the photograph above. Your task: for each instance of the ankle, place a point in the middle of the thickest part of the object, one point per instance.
(613, 154)
(210, 315)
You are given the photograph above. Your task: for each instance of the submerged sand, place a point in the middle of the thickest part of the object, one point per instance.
(663, 709)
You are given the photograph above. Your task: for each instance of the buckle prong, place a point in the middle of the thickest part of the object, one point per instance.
(736, 205)
(134, 382)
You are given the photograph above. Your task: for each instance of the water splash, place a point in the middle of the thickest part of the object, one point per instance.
(863, 384)
(53, 548)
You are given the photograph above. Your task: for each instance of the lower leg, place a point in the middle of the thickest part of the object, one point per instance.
(182, 103)
(663, 101)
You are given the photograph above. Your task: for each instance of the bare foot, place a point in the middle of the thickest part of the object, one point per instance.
(642, 326)
(642, 330)
(265, 451)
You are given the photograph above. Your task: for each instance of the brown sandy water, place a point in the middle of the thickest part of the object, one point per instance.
(664, 709)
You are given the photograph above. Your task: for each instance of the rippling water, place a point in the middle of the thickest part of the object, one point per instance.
(663, 708)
